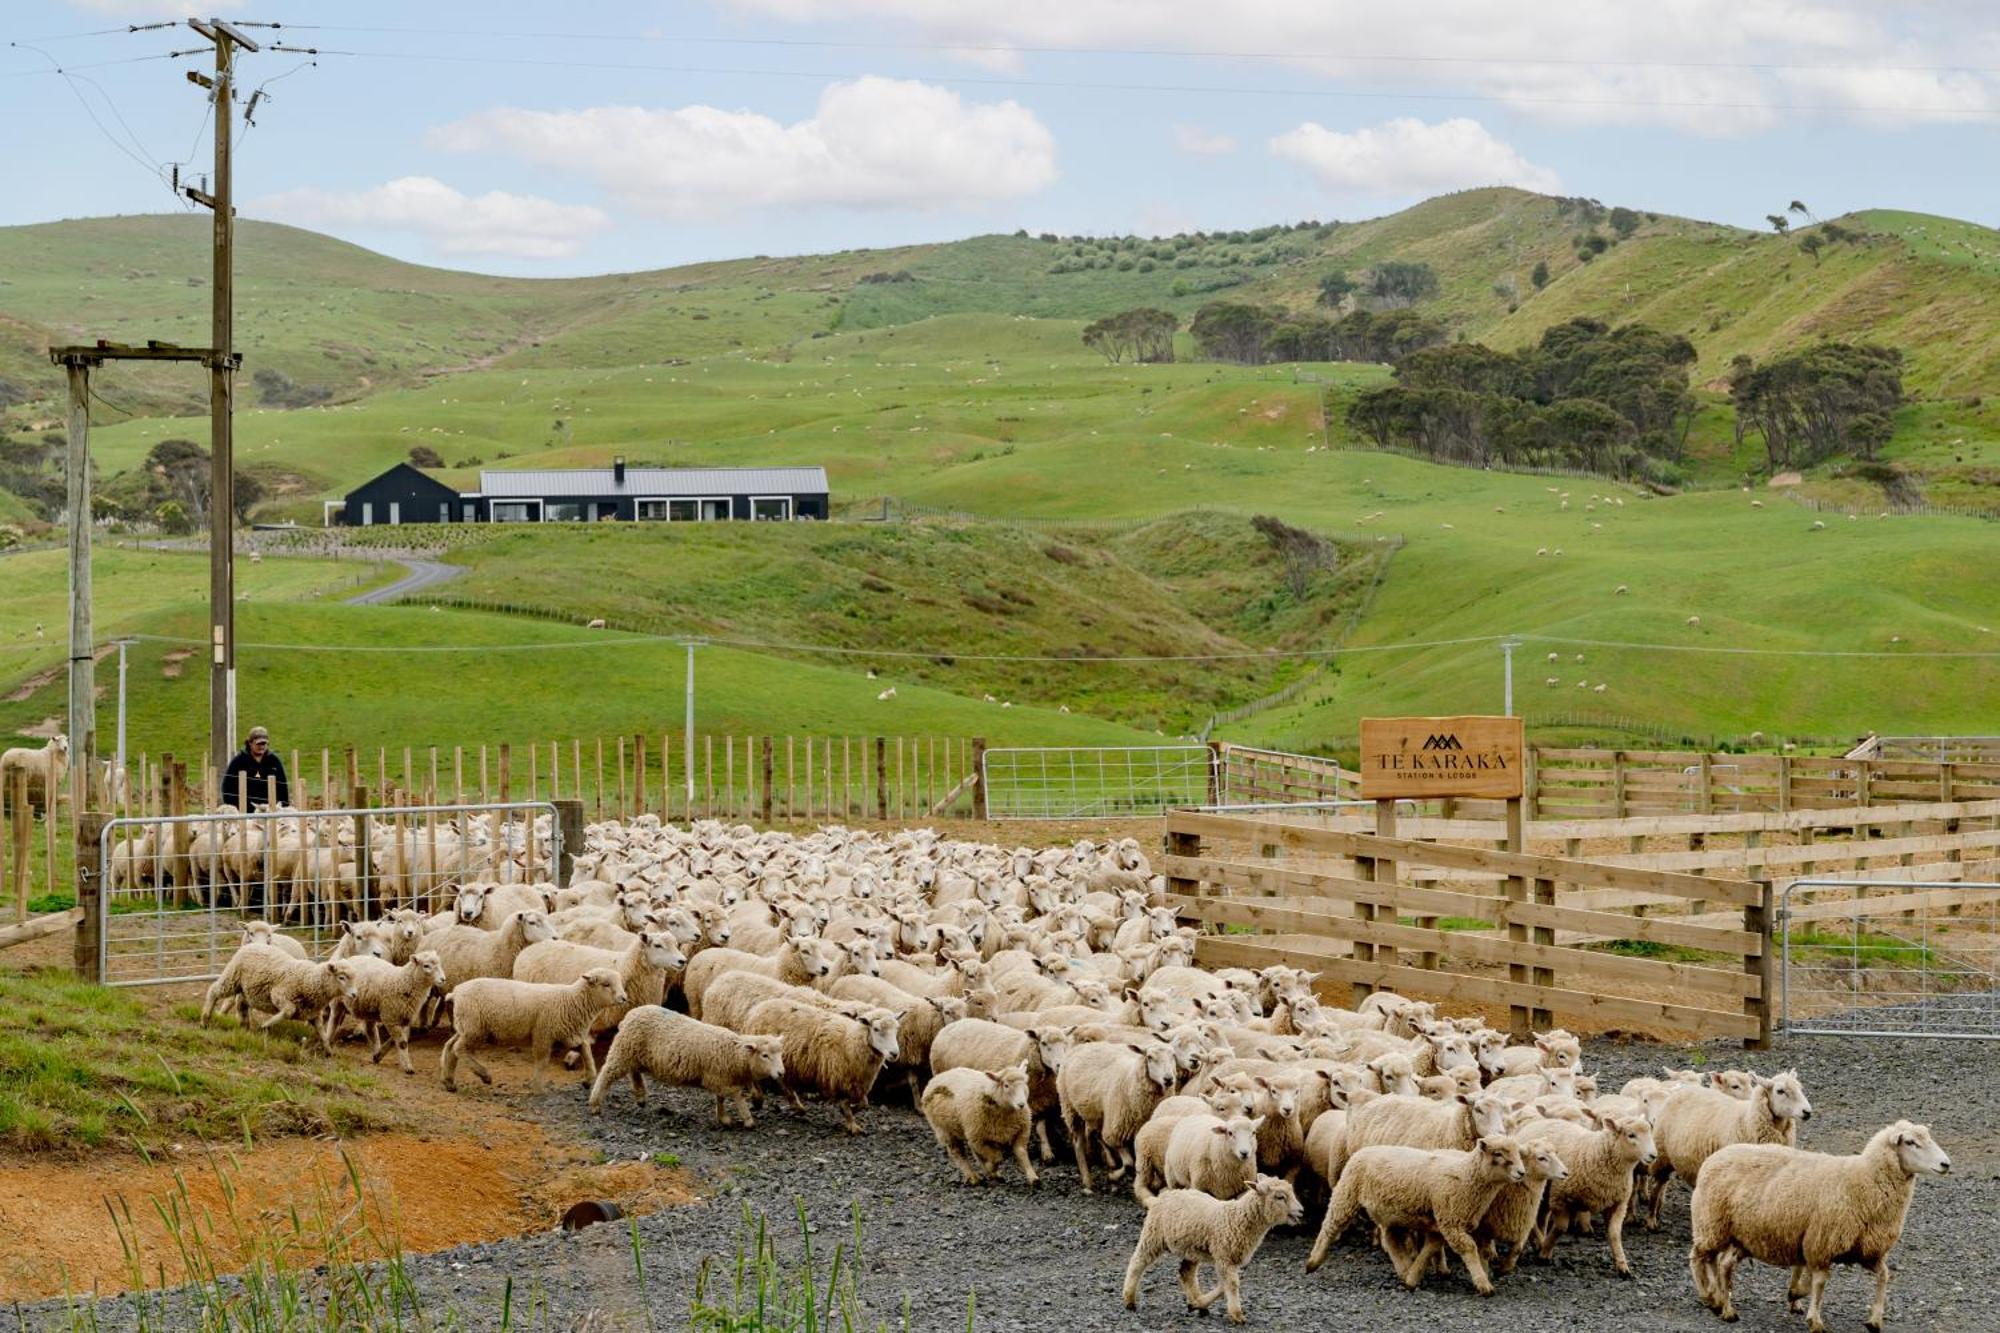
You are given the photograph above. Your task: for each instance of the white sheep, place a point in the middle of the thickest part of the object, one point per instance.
(1441, 1194)
(1199, 1229)
(1696, 1122)
(979, 1119)
(835, 1055)
(1807, 1211)
(798, 962)
(260, 977)
(539, 1015)
(643, 969)
(45, 769)
(1108, 1091)
(1418, 1122)
(684, 1052)
(386, 998)
(977, 1043)
(924, 1016)
(468, 952)
(1601, 1161)
(1554, 1049)
(1214, 1155)
(263, 932)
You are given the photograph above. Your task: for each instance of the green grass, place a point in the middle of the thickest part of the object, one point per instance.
(84, 1067)
(1664, 953)
(1864, 949)
(1451, 923)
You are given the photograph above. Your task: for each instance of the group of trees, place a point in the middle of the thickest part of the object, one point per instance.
(171, 488)
(1818, 401)
(1392, 285)
(1144, 334)
(1254, 335)
(33, 470)
(1587, 396)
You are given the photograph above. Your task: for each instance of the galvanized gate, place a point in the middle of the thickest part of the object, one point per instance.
(1095, 782)
(1909, 958)
(177, 889)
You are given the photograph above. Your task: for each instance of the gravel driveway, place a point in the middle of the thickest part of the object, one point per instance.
(422, 574)
(1053, 1259)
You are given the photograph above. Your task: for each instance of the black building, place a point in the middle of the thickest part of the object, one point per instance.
(404, 494)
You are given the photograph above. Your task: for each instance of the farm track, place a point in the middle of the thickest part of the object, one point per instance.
(1053, 1259)
(421, 574)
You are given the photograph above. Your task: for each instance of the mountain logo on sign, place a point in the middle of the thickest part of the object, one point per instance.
(1444, 742)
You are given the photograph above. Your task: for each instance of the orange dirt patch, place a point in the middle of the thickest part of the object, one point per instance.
(487, 1176)
(170, 665)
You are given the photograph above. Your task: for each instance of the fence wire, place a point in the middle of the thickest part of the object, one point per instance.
(177, 889)
(1862, 957)
(1092, 782)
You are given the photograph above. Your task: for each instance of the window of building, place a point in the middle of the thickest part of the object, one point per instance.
(769, 508)
(652, 511)
(516, 511)
(562, 511)
(715, 511)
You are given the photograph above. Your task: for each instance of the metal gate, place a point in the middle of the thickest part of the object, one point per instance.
(177, 889)
(1912, 958)
(1095, 782)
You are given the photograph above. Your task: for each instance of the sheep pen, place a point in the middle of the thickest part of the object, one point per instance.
(1054, 1257)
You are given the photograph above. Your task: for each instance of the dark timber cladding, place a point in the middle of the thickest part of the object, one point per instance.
(405, 494)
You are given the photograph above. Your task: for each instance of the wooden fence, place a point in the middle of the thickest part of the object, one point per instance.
(1348, 907)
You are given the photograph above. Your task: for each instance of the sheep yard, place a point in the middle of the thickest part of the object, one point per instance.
(879, 1223)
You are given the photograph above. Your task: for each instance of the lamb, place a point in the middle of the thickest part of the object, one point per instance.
(976, 1043)
(1108, 1091)
(258, 976)
(644, 968)
(357, 938)
(540, 1015)
(684, 1052)
(386, 998)
(468, 952)
(798, 962)
(263, 932)
(838, 1056)
(923, 1018)
(1208, 1153)
(1511, 1217)
(1441, 1193)
(1555, 1049)
(735, 994)
(1601, 1180)
(45, 768)
(1695, 1122)
(1199, 1229)
(488, 906)
(1807, 1211)
(1149, 1145)
(1418, 1122)
(978, 1117)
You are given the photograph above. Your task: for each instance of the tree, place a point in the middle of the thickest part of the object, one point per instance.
(1817, 401)
(1335, 288)
(1144, 334)
(1624, 221)
(422, 455)
(1540, 277)
(1304, 553)
(1232, 331)
(1397, 284)
(1798, 206)
(1779, 222)
(1811, 244)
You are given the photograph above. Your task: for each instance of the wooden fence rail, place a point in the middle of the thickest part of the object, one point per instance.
(1383, 924)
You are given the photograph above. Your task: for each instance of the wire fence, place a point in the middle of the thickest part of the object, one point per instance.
(1915, 959)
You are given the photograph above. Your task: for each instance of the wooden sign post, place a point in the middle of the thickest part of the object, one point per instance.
(1446, 759)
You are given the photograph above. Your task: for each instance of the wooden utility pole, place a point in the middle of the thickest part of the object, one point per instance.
(221, 385)
(82, 650)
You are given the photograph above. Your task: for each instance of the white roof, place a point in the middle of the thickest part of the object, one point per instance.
(653, 481)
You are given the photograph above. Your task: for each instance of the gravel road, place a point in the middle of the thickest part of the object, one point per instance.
(422, 574)
(1054, 1259)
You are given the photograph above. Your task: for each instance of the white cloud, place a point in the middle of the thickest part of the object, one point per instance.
(523, 226)
(1407, 156)
(1195, 140)
(1703, 65)
(874, 143)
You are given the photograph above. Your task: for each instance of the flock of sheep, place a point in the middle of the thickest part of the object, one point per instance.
(1036, 1000)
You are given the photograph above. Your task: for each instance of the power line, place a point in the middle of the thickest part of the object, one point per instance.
(1174, 88)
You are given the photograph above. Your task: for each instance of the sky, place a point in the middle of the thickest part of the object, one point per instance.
(530, 138)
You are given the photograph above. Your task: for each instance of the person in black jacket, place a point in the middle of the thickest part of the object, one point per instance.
(263, 773)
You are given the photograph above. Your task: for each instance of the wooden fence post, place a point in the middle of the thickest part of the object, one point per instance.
(1366, 868)
(1759, 919)
(569, 829)
(881, 777)
(979, 782)
(767, 765)
(1784, 784)
(20, 835)
(1520, 1017)
(364, 858)
(1531, 783)
(89, 887)
(1618, 784)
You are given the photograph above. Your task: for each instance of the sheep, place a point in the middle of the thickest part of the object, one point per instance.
(1511, 1217)
(45, 769)
(1214, 1155)
(1695, 1122)
(735, 994)
(488, 906)
(977, 1043)
(263, 932)
(1555, 1049)
(979, 1117)
(923, 1018)
(838, 1056)
(1807, 1211)
(1440, 1193)
(1541, 1083)
(684, 1052)
(468, 952)
(1107, 1091)
(1149, 1145)
(1199, 1229)
(543, 1016)
(1418, 1122)
(258, 976)
(798, 962)
(644, 969)
(374, 939)
(1601, 1179)
(386, 998)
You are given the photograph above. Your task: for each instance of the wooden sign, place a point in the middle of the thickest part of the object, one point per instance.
(1441, 756)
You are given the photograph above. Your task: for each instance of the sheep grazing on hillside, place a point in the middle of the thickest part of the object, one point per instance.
(1441, 1194)
(1108, 1091)
(1696, 1122)
(1807, 1211)
(683, 1052)
(386, 998)
(542, 1016)
(980, 1119)
(837, 1056)
(1199, 1229)
(1601, 1161)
